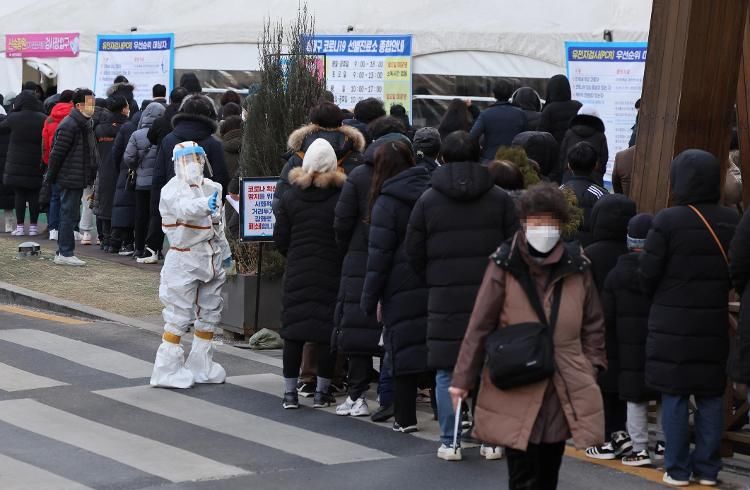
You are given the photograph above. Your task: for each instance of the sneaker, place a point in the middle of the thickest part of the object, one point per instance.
(706, 482)
(86, 238)
(53, 235)
(339, 389)
(305, 389)
(138, 254)
(151, 257)
(640, 458)
(73, 260)
(291, 401)
(127, 250)
(675, 483)
(659, 450)
(621, 443)
(33, 230)
(491, 452)
(423, 396)
(605, 451)
(355, 408)
(18, 231)
(77, 236)
(406, 430)
(323, 400)
(111, 250)
(382, 414)
(449, 453)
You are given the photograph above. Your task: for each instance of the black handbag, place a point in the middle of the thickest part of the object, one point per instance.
(523, 353)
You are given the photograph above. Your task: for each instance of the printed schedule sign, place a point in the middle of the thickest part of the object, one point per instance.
(256, 208)
(359, 67)
(608, 76)
(144, 59)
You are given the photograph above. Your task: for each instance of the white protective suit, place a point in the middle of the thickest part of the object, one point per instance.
(192, 275)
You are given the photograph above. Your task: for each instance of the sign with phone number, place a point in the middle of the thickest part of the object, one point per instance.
(256, 208)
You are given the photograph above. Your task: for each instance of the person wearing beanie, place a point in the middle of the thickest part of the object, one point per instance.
(304, 235)
(626, 310)
(427, 147)
(585, 126)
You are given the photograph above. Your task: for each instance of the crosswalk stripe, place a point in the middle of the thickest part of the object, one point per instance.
(89, 355)
(293, 440)
(17, 475)
(14, 379)
(159, 459)
(272, 384)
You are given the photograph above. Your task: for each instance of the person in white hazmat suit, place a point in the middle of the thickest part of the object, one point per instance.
(193, 271)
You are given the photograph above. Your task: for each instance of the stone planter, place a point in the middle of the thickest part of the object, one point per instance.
(238, 316)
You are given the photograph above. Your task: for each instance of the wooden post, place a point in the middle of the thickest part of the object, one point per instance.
(689, 89)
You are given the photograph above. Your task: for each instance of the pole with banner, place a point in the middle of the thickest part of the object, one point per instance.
(257, 221)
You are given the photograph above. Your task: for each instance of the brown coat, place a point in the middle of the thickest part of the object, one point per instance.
(507, 417)
(623, 170)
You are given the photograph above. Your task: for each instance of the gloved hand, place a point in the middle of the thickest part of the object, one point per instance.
(213, 202)
(227, 263)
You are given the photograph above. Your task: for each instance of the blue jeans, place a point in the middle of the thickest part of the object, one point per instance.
(385, 384)
(446, 413)
(705, 461)
(53, 213)
(70, 213)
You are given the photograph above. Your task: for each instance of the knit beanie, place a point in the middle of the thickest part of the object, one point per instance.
(427, 140)
(638, 228)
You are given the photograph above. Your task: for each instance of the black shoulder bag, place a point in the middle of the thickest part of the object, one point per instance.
(523, 353)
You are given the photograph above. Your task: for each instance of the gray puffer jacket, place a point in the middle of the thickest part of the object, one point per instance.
(140, 154)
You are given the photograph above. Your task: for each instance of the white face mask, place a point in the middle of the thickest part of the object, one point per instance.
(542, 238)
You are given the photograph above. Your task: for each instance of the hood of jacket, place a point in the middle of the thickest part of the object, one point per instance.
(232, 141)
(610, 217)
(60, 110)
(387, 138)
(120, 88)
(195, 127)
(27, 101)
(558, 89)
(300, 178)
(695, 178)
(527, 99)
(541, 147)
(463, 181)
(150, 114)
(585, 125)
(407, 186)
(343, 139)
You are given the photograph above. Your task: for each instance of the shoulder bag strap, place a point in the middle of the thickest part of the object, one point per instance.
(711, 230)
(533, 295)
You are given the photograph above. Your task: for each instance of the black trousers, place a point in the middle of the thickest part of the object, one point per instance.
(155, 236)
(360, 369)
(142, 218)
(104, 226)
(292, 358)
(23, 196)
(615, 414)
(405, 399)
(536, 469)
(121, 236)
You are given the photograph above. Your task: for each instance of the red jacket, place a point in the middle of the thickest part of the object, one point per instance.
(59, 112)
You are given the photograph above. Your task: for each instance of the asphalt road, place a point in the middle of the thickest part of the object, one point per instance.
(76, 412)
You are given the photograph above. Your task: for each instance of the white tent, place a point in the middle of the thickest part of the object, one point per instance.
(483, 37)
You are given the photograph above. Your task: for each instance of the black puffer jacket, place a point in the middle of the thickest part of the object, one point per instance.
(73, 160)
(304, 234)
(591, 130)
(106, 132)
(540, 147)
(626, 310)
(356, 333)
(347, 142)
(6, 192)
(23, 164)
(558, 109)
(739, 253)
(454, 227)
(123, 207)
(391, 279)
(683, 270)
(528, 100)
(609, 223)
(163, 125)
(587, 193)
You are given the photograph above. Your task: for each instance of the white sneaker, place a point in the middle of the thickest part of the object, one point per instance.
(200, 362)
(73, 260)
(706, 482)
(675, 483)
(492, 452)
(151, 258)
(33, 230)
(354, 408)
(448, 453)
(86, 238)
(53, 235)
(77, 236)
(18, 232)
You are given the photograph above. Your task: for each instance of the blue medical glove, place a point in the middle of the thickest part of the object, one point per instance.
(213, 202)
(227, 263)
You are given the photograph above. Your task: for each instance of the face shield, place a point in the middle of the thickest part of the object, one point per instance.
(189, 160)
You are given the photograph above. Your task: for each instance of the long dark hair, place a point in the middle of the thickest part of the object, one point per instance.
(456, 118)
(390, 160)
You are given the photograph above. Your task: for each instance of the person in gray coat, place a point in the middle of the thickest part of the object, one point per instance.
(140, 157)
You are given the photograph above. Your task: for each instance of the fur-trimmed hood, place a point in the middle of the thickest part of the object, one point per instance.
(121, 86)
(298, 177)
(343, 139)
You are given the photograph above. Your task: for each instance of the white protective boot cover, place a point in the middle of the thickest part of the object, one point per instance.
(169, 370)
(201, 363)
